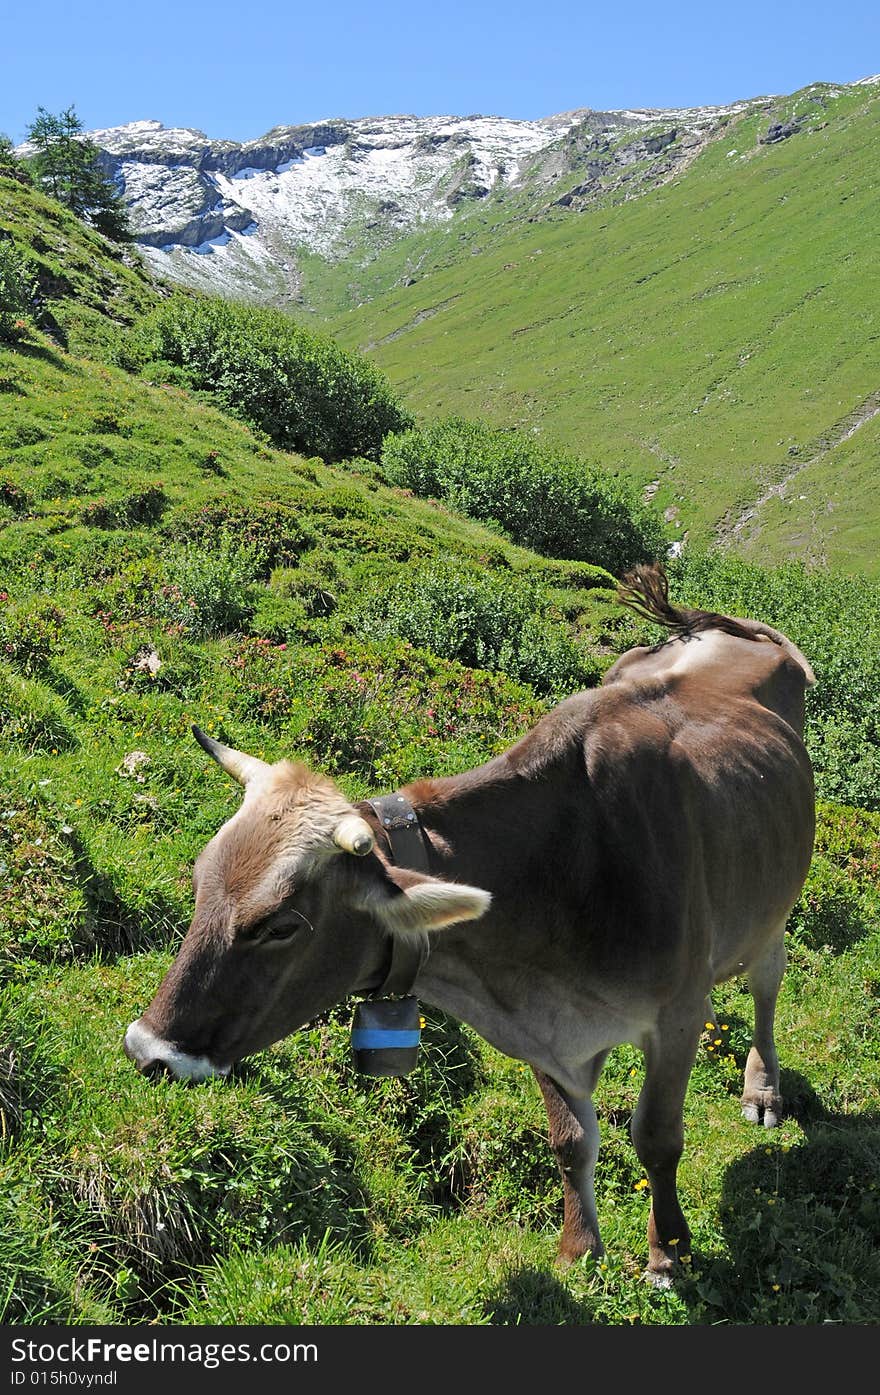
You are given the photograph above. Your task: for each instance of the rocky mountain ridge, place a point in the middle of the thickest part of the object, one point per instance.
(237, 217)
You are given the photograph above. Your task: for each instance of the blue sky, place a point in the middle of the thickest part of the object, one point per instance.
(234, 70)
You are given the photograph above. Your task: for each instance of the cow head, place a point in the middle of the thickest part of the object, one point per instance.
(295, 909)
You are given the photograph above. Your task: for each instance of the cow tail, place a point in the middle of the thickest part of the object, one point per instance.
(645, 591)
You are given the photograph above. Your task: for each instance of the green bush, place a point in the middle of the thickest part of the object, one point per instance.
(32, 717)
(835, 620)
(211, 592)
(483, 621)
(316, 581)
(29, 633)
(384, 713)
(142, 506)
(18, 289)
(300, 388)
(543, 499)
(278, 618)
(841, 897)
(274, 532)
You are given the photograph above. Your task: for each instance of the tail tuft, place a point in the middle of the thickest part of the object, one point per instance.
(645, 591)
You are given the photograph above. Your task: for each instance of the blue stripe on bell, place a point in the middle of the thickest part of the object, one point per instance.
(385, 1035)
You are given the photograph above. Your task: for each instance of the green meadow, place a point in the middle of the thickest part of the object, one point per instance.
(710, 338)
(164, 562)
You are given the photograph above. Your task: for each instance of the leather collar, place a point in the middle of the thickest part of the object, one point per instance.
(399, 822)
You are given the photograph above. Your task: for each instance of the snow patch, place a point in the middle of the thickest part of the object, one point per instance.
(204, 249)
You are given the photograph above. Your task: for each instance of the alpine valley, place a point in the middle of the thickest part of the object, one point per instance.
(689, 297)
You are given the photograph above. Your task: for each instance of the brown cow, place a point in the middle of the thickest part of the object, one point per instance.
(645, 841)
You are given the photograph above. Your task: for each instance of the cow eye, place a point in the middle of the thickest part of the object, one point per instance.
(278, 933)
(284, 927)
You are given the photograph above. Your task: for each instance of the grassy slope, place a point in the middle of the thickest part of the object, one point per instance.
(298, 1191)
(703, 335)
(89, 284)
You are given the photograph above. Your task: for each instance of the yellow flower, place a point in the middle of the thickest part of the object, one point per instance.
(710, 1026)
(776, 1287)
(724, 1027)
(640, 1185)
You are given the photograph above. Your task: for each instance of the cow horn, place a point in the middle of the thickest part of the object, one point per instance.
(241, 767)
(353, 834)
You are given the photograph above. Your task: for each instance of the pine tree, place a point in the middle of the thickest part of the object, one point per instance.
(66, 164)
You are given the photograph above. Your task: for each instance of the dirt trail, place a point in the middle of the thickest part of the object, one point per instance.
(731, 528)
(417, 319)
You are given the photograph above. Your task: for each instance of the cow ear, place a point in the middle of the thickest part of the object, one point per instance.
(408, 901)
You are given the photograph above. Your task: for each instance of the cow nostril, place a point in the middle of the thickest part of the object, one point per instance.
(154, 1069)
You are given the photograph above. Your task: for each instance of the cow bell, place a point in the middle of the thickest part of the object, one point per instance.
(385, 1034)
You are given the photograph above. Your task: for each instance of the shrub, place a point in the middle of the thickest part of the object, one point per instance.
(835, 620)
(491, 622)
(142, 506)
(274, 533)
(15, 499)
(29, 633)
(841, 897)
(316, 582)
(543, 499)
(278, 618)
(386, 713)
(18, 290)
(32, 717)
(210, 593)
(300, 388)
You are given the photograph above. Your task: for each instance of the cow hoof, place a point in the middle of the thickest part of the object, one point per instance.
(768, 1115)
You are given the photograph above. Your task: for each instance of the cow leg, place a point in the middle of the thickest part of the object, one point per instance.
(574, 1139)
(761, 1100)
(658, 1134)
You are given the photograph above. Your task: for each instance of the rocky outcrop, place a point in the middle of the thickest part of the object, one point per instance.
(781, 130)
(235, 216)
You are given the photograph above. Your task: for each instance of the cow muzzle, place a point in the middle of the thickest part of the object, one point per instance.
(152, 1055)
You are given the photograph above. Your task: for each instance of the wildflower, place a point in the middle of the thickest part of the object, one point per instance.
(710, 1026)
(776, 1287)
(641, 1184)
